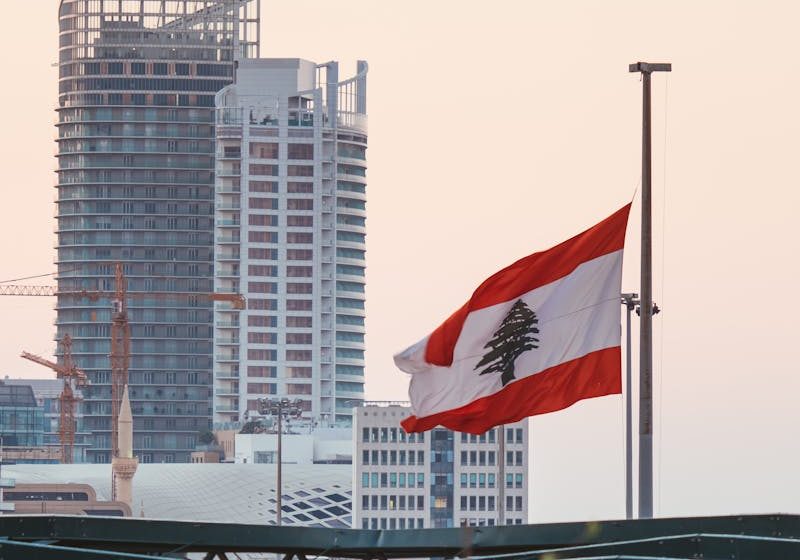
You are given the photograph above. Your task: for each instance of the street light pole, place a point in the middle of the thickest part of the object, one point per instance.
(279, 477)
(279, 408)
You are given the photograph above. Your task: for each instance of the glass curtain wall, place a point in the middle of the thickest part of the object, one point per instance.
(135, 185)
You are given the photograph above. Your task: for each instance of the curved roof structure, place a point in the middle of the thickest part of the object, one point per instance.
(313, 495)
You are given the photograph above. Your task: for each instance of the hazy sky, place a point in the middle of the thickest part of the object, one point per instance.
(498, 129)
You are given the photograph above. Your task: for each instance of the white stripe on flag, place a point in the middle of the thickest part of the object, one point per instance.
(578, 314)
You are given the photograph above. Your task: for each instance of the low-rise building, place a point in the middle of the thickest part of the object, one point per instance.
(438, 478)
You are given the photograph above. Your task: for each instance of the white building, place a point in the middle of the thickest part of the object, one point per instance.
(438, 478)
(290, 236)
(298, 447)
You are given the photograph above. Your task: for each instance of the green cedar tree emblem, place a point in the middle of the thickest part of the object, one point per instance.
(510, 341)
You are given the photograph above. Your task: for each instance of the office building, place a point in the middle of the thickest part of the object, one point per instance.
(47, 392)
(137, 81)
(290, 236)
(438, 478)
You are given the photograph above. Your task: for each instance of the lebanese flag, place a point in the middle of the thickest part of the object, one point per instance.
(536, 337)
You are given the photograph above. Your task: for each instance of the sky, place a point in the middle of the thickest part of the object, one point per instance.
(497, 129)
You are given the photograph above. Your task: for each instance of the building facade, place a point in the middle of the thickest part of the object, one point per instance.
(47, 392)
(290, 236)
(438, 478)
(135, 183)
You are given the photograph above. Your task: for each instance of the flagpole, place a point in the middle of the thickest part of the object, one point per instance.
(501, 483)
(646, 288)
(630, 301)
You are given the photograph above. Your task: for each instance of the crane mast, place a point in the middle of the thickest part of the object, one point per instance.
(68, 399)
(120, 352)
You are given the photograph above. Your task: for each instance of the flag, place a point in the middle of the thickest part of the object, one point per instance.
(536, 337)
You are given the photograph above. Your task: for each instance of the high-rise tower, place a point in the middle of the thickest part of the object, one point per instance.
(135, 185)
(290, 209)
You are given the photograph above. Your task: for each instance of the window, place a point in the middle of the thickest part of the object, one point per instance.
(268, 271)
(262, 338)
(299, 187)
(298, 305)
(298, 355)
(261, 169)
(298, 372)
(365, 480)
(463, 480)
(402, 481)
(262, 371)
(300, 221)
(262, 287)
(262, 254)
(263, 203)
(299, 237)
(262, 236)
(491, 480)
(264, 150)
(299, 271)
(509, 480)
(262, 220)
(262, 304)
(518, 480)
(365, 438)
(298, 338)
(260, 388)
(300, 170)
(299, 254)
(264, 186)
(298, 288)
(298, 322)
(300, 204)
(301, 151)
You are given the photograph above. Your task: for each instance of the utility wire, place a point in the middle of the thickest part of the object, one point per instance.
(38, 276)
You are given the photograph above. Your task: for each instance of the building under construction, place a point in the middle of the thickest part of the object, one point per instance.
(135, 185)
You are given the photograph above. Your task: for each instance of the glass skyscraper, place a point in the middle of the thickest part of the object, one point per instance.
(137, 80)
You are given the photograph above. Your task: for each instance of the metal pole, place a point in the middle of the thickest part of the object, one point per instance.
(646, 323)
(501, 483)
(280, 466)
(630, 302)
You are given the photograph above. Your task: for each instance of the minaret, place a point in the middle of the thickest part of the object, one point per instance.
(124, 464)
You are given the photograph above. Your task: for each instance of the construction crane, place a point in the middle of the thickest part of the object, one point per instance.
(120, 328)
(74, 378)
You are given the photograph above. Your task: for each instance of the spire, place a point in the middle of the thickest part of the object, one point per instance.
(125, 427)
(124, 465)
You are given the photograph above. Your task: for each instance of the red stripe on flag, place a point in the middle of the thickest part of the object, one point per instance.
(528, 274)
(594, 375)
